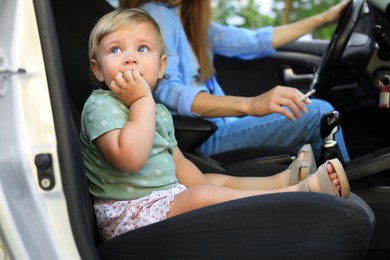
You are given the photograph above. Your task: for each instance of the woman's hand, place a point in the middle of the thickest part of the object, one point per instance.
(278, 100)
(130, 86)
(290, 32)
(333, 14)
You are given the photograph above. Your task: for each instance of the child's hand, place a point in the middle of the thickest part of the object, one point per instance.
(130, 86)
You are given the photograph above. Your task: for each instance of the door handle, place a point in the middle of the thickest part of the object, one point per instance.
(11, 71)
(5, 73)
(289, 76)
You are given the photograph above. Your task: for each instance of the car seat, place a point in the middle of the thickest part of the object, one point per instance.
(190, 132)
(287, 225)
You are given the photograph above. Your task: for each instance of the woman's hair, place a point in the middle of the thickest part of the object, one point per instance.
(112, 22)
(195, 17)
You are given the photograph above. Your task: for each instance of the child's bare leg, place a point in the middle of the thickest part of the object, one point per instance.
(277, 181)
(199, 196)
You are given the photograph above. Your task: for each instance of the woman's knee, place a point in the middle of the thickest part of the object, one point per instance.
(321, 105)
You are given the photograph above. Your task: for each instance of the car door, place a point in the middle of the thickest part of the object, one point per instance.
(35, 166)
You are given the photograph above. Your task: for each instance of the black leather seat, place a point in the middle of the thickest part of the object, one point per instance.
(278, 226)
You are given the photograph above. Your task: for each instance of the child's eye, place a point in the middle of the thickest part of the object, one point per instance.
(115, 50)
(142, 48)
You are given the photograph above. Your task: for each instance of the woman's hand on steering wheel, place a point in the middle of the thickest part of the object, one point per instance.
(338, 43)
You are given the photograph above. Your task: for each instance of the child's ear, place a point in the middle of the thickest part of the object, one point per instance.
(96, 70)
(163, 65)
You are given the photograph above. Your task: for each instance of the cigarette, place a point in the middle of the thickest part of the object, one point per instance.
(308, 94)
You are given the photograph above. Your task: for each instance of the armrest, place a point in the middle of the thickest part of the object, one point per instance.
(368, 165)
(192, 132)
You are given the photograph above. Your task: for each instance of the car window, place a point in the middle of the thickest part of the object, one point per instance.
(257, 13)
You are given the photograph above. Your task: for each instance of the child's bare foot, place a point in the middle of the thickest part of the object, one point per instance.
(314, 182)
(330, 178)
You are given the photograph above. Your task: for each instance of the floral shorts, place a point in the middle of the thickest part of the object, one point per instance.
(117, 217)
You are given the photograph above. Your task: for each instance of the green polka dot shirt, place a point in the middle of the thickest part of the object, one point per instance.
(102, 113)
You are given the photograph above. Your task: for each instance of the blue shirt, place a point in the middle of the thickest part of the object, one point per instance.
(178, 92)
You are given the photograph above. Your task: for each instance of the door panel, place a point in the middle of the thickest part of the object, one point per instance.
(292, 65)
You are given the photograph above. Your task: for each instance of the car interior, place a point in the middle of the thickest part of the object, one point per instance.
(294, 225)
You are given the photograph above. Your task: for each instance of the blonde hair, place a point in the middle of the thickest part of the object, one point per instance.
(114, 20)
(195, 16)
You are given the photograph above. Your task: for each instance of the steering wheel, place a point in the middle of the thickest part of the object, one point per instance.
(337, 45)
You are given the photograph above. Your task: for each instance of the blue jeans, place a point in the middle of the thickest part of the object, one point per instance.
(273, 130)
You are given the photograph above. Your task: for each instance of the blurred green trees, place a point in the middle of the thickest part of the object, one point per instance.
(246, 13)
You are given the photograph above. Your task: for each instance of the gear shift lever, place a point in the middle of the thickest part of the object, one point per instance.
(330, 123)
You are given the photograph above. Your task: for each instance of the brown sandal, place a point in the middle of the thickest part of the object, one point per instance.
(326, 186)
(301, 169)
(308, 156)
